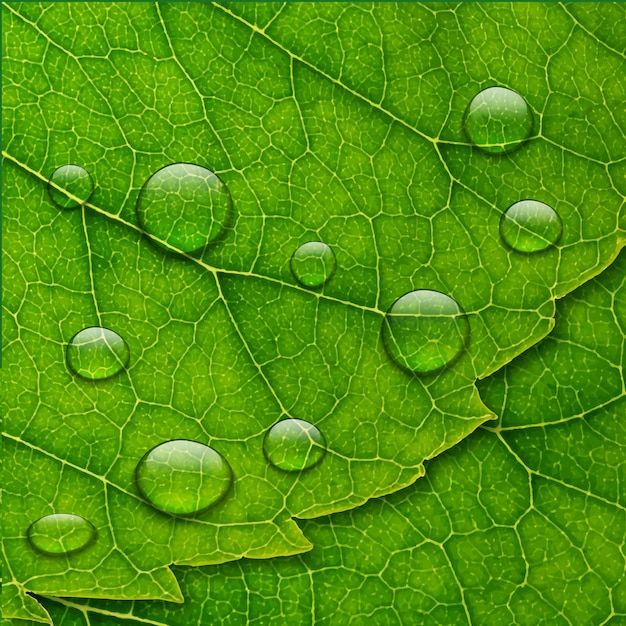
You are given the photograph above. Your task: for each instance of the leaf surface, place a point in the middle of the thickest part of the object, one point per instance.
(515, 525)
(339, 123)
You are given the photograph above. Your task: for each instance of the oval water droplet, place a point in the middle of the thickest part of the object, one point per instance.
(530, 226)
(313, 263)
(294, 445)
(425, 330)
(61, 533)
(97, 353)
(70, 186)
(184, 205)
(183, 477)
(498, 120)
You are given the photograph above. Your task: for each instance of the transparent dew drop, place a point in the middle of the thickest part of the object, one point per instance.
(183, 477)
(313, 264)
(530, 226)
(498, 120)
(97, 353)
(61, 533)
(293, 445)
(425, 330)
(70, 186)
(185, 206)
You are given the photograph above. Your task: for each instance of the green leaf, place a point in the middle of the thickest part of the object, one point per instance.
(16, 603)
(515, 525)
(331, 122)
(577, 368)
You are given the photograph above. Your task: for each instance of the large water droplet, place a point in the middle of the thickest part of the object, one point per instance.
(530, 226)
(184, 205)
(294, 445)
(70, 186)
(183, 477)
(61, 533)
(498, 120)
(97, 353)
(425, 330)
(313, 263)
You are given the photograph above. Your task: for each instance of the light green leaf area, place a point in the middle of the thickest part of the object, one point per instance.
(513, 526)
(327, 122)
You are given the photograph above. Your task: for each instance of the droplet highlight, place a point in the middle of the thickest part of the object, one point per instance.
(70, 186)
(294, 445)
(97, 353)
(313, 264)
(183, 477)
(184, 206)
(498, 120)
(61, 533)
(425, 330)
(530, 226)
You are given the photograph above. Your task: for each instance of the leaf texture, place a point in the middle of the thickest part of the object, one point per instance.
(332, 122)
(515, 525)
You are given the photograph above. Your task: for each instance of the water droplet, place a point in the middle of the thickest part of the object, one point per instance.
(294, 445)
(425, 330)
(70, 186)
(530, 226)
(183, 477)
(498, 120)
(313, 264)
(61, 533)
(184, 205)
(97, 353)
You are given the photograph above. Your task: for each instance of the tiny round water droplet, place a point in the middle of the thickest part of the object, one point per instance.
(530, 226)
(70, 186)
(294, 445)
(184, 205)
(425, 330)
(97, 353)
(313, 264)
(61, 533)
(183, 477)
(498, 120)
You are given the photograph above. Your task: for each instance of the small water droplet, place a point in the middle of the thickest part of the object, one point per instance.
(97, 353)
(313, 264)
(70, 186)
(61, 533)
(498, 120)
(294, 445)
(530, 226)
(183, 477)
(184, 205)
(425, 330)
